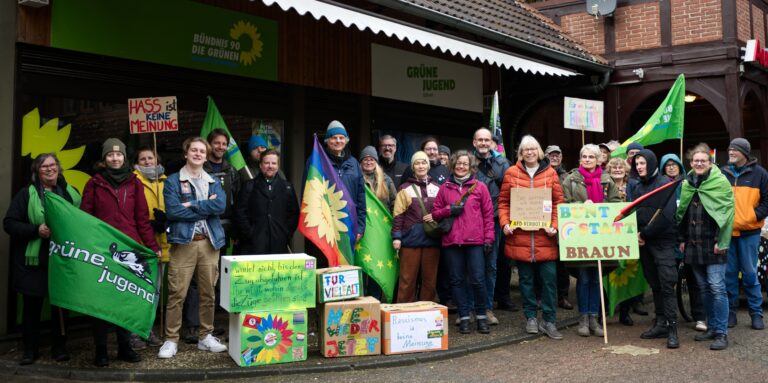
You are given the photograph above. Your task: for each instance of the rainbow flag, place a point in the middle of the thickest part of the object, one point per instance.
(328, 216)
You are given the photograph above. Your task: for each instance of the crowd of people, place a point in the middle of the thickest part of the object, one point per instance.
(451, 229)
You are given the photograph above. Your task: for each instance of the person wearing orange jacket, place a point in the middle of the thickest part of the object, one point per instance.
(533, 248)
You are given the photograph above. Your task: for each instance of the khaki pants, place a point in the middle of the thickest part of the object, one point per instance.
(415, 261)
(196, 258)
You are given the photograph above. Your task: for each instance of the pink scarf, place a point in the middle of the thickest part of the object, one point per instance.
(592, 180)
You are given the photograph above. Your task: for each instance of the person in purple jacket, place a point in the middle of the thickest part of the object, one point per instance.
(472, 234)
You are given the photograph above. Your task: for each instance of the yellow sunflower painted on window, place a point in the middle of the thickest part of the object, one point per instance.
(244, 28)
(322, 206)
(621, 277)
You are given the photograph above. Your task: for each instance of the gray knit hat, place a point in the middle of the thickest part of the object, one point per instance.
(115, 145)
(444, 149)
(369, 151)
(741, 145)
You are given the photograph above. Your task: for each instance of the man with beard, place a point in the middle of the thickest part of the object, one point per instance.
(391, 166)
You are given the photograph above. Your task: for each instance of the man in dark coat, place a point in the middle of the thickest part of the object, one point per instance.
(388, 160)
(267, 211)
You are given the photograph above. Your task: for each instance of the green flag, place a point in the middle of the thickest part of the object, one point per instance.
(625, 282)
(214, 120)
(374, 252)
(666, 123)
(97, 270)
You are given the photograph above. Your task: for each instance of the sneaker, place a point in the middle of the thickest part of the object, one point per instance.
(168, 350)
(532, 326)
(550, 330)
(137, 344)
(757, 322)
(701, 325)
(492, 320)
(154, 340)
(210, 343)
(720, 343)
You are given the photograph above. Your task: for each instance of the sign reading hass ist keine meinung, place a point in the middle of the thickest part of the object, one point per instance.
(153, 114)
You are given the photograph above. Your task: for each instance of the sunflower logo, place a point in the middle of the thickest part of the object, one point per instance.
(621, 276)
(271, 339)
(244, 28)
(323, 206)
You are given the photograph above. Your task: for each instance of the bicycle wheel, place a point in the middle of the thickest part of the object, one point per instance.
(683, 295)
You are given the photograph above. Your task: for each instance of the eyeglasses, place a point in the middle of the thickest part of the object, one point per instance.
(387, 145)
(700, 161)
(671, 165)
(462, 164)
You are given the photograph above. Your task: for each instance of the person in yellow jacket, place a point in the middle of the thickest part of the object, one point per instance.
(151, 174)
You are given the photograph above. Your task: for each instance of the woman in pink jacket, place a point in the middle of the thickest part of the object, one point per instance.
(472, 234)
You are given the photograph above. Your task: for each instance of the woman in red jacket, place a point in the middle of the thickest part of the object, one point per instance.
(471, 235)
(115, 196)
(533, 248)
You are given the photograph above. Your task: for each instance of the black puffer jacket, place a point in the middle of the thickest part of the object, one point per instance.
(663, 228)
(266, 214)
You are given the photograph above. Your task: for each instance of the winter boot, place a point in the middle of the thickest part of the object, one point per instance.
(595, 328)
(672, 340)
(658, 331)
(583, 329)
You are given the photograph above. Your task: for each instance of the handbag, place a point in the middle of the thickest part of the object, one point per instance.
(437, 229)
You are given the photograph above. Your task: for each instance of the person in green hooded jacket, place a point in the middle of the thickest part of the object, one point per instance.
(705, 216)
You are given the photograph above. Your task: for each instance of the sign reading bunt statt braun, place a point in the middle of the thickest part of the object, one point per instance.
(530, 209)
(587, 232)
(407, 76)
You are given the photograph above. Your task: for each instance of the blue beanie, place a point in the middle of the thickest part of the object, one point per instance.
(255, 142)
(335, 128)
(635, 145)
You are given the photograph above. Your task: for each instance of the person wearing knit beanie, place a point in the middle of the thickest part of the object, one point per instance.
(113, 145)
(334, 128)
(420, 155)
(742, 145)
(369, 151)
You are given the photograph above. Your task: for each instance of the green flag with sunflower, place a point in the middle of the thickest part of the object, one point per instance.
(625, 282)
(374, 253)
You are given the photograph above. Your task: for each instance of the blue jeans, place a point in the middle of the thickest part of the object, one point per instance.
(711, 281)
(467, 263)
(588, 290)
(547, 272)
(490, 269)
(742, 256)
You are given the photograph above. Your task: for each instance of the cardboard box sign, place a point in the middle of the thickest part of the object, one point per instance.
(414, 327)
(339, 283)
(267, 282)
(268, 337)
(351, 328)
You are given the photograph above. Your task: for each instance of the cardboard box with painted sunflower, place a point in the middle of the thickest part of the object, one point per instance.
(268, 337)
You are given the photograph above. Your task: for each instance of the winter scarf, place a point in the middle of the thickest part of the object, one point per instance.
(36, 216)
(592, 182)
(717, 197)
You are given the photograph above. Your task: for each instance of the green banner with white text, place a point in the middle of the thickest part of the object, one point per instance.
(97, 270)
(172, 32)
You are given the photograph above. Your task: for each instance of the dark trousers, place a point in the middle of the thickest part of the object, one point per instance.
(694, 294)
(467, 263)
(101, 330)
(503, 278)
(660, 269)
(563, 280)
(444, 280)
(30, 324)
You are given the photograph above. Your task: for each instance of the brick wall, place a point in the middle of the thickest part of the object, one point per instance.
(758, 24)
(742, 20)
(585, 29)
(695, 21)
(637, 27)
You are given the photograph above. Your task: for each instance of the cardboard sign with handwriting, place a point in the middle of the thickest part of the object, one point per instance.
(530, 209)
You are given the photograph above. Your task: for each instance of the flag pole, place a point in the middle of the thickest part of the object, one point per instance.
(160, 264)
(602, 300)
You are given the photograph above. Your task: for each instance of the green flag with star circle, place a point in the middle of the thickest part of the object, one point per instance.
(374, 252)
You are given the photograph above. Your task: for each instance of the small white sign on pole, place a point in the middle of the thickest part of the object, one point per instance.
(580, 114)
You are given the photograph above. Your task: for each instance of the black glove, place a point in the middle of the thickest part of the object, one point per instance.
(456, 210)
(160, 223)
(487, 248)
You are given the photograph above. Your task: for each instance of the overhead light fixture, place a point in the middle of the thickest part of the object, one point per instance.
(690, 98)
